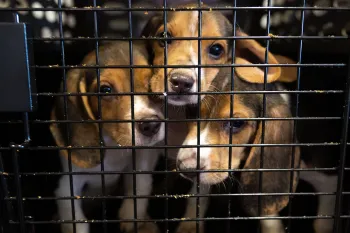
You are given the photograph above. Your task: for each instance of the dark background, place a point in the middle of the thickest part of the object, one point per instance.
(315, 51)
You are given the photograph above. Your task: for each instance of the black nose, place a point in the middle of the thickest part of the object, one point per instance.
(181, 83)
(149, 128)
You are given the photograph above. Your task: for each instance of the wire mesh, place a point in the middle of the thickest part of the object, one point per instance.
(27, 142)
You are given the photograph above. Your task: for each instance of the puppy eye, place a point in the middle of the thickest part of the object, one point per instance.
(164, 35)
(234, 126)
(216, 50)
(105, 89)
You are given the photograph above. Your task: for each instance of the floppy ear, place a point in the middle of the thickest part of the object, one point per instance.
(288, 74)
(152, 25)
(276, 132)
(250, 52)
(81, 134)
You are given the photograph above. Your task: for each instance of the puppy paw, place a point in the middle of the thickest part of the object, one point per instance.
(142, 227)
(190, 227)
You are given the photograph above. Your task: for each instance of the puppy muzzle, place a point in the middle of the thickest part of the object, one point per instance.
(190, 163)
(182, 82)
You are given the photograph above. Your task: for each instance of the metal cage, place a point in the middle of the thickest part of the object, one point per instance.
(29, 165)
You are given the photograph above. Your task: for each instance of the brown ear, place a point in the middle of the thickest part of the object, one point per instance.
(248, 48)
(276, 132)
(289, 74)
(81, 134)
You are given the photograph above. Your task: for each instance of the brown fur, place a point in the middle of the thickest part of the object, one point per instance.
(256, 74)
(86, 107)
(276, 132)
(180, 52)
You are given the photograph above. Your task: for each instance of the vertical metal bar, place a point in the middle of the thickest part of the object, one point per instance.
(166, 113)
(15, 161)
(302, 21)
(341, 171)
(97, 54)
(199, 112)
(264, 111)
(4, 194)
(132, 117)
(233, 50)
(65, 114)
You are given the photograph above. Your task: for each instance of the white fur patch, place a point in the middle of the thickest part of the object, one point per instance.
(205, 151)
(141, 106)
(186, 153)
(285, 96)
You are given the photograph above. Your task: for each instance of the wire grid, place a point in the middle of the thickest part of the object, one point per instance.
(19, 218)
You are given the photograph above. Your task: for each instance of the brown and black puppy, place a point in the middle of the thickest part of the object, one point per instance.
(85, 107)
(184, 80)
(246, 132)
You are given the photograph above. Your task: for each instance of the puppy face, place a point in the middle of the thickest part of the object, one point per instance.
(186, 52)
(248, 132)
(120, 107)
(111, 108)
(218, 133)
(241, 131)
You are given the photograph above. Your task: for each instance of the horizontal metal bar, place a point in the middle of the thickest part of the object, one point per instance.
(56, 66)
(176, 147)
(51, 94)
(173, 120)
(133, 9)
(173, 171)
(176, 196)
(269, 37)
(181, 219)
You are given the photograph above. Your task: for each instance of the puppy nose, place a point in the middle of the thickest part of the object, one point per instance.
(149, 128)
(181, 83)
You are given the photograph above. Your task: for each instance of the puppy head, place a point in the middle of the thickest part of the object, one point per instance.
(186, 52)
(244, 132)
(112, 107)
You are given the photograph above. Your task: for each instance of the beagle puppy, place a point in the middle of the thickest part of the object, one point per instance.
(181, 82)
(246, 132)
(87, 134)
